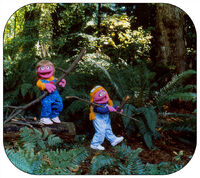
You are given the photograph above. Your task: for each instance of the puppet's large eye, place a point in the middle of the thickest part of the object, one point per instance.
(100, 94)
(41, 68)
(47, 67)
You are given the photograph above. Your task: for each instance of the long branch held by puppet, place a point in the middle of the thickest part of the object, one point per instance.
(117, 112)
(18, 109)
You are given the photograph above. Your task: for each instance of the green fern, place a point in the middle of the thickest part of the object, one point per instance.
(182, 126)
(25, 160)
(19, 161)
(186, 96)
(186, 122)
(66, 159)
(174, 90)
(124, 160)
(176, 81)
(163, 168)
(38, 155)
(77, 106)
(101, 161)
(131, 163)
(53, 140)
(170, 114)
(38, 140)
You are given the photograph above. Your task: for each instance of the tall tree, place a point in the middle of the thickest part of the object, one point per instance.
(30, 30)
(171, 49)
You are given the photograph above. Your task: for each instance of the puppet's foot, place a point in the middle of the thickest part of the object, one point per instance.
(56, 120)
(117, 140)
(98, 147)
(46, 121)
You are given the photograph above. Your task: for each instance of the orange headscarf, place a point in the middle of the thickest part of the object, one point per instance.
(92, 93)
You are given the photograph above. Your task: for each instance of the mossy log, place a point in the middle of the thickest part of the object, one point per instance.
(64, 130)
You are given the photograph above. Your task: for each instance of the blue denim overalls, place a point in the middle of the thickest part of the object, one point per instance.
(52, 104)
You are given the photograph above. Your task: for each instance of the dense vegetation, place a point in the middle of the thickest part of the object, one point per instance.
(124, 57)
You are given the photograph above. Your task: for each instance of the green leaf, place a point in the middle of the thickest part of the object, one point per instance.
(151, 118)
(128, 109)
(148, 140)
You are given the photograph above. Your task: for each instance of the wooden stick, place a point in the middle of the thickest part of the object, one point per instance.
(21, 123)
(94, 104)
(123, 103)
(22, 108)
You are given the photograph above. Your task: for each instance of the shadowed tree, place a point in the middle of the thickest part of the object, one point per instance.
(171, 47)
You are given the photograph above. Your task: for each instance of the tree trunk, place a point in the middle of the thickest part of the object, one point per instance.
(171, 48)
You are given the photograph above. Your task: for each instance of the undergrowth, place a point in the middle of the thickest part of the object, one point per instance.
(42, 154)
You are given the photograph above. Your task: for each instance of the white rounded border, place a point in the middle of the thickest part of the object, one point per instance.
(8, 7)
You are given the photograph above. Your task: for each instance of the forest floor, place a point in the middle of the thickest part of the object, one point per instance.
(167, 149)
(168, 146)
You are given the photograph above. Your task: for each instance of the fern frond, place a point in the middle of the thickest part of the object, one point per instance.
(76, 106)
(101, 161)
(67, 159)
(179, 126)
(176, 80)
(77, 155)
(168, 114)
(172, 86)
(186, 96)
(19, 160)
(132, 164)
(53, 140)
(37, 139)
(123, 150)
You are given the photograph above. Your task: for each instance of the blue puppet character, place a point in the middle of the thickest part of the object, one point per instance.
(101, 119)
(52, 104)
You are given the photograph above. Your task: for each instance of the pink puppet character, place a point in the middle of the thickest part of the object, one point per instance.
(52, 104)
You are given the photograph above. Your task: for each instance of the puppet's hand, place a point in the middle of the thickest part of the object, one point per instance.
(111, 109)
(62, 83)
(50, 87)
(121, 109)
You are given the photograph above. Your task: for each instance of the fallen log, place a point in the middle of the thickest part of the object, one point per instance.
(65, 130)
